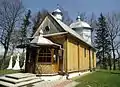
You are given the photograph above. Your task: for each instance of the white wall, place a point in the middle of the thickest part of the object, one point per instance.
(87, 35)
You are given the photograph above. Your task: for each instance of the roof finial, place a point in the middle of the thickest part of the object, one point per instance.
(78, 13)
(58, 6)
(78, 17)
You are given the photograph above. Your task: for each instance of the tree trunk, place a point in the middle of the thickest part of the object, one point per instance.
(109, 62)
(119, 63)
(4, 57)
(104, 60)
(111, 67)
(13, 48)
(118, 58)
(23, 50)
(114, 66)
(103, 57)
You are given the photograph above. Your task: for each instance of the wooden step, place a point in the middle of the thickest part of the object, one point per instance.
(14, 81)
(29, 82)
(6, 84)
(19, 75)
(19, 79)
(20, 84)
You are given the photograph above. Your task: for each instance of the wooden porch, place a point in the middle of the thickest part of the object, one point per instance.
(44, 60)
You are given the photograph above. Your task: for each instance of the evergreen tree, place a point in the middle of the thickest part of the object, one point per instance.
(23, 32)
(24, 27)
(37, 20)
(102, 41)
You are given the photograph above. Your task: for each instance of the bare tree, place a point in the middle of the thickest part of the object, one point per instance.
(66, 18)
(83, 16)
(113, 21)
(118, 58)
(14, 41)
(10, 12)
(92, 22)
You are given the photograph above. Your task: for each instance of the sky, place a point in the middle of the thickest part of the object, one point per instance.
(74, 6)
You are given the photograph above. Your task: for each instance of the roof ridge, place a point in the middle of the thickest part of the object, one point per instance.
(72, 32)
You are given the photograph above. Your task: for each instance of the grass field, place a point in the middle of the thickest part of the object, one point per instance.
(102, 78)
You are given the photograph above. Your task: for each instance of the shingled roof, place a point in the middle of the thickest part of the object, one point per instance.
(70, 31)
(67, 29)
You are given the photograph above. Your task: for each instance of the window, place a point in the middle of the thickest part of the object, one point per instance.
(44, 55)
(47, 28)
(84, 52)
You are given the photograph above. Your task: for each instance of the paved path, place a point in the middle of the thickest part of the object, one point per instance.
(58, 83)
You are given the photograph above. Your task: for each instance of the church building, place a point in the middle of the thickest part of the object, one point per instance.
(57, 48)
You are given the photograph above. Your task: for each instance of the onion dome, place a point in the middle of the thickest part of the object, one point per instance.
(79, 24)
(57, 14)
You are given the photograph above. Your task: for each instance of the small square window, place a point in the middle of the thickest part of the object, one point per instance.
(47, 28)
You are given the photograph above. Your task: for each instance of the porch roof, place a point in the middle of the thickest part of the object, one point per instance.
(47, 45)
(41, 41)
(38, 41)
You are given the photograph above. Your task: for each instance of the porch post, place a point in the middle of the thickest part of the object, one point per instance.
(90, 60)
(52, 53)
(78, 57)
(36, 61)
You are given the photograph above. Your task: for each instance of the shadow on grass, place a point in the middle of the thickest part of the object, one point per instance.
(115, 73)
(109, 71)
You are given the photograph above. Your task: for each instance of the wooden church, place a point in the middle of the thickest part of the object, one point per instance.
(56, 48)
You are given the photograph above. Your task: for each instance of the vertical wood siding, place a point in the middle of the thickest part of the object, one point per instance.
(76, 59)
(72, 55)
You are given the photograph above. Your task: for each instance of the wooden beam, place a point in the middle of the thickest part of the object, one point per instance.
(36, 64)
(78, 57)
(90, 59)
(66, 54)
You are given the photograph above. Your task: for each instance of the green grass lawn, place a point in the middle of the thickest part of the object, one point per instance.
(100, 78)
(2, 72)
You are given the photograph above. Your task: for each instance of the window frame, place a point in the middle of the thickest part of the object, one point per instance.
(44, 56)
